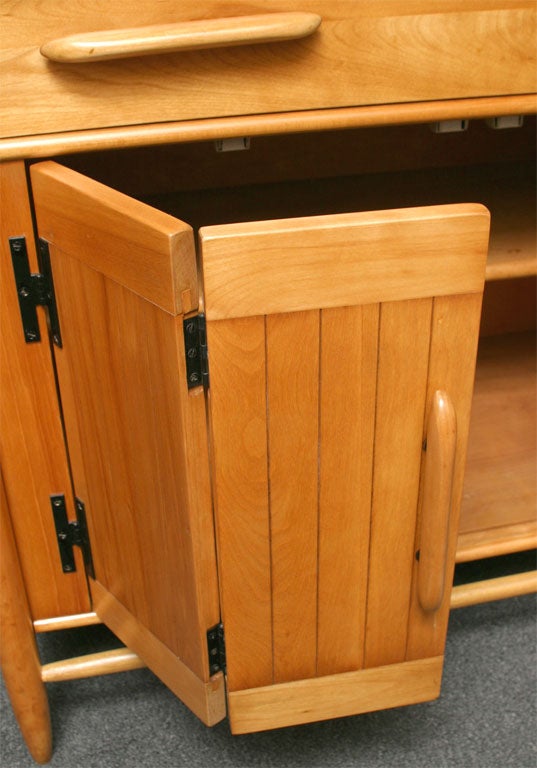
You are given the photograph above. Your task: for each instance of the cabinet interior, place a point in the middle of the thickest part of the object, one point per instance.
(390, 167)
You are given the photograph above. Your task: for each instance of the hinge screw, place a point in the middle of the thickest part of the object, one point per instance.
(24, 292)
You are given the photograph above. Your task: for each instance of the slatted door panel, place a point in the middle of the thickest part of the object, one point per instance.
(318, 420)
(124, 276)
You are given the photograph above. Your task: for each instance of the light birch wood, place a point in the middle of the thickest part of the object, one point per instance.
(293, 442)
(137, 427)
(21, 666)
(349, 352)
(184, 36)
(146, 250)
(208, 129)
(494, 42)
(285, 265)
(499, 588)
(402, 380)
(349, 693)
(32, 448)
(240, 481)
(205, 698)
(454, 335)
(437, 499)
(66, 622)
(297, 472)
(91, 665)
(143, 463)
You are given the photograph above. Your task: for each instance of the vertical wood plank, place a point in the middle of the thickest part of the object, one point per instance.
(293, 397)
(348, 388)
(454, 334)
(402, 382)
(238, 409)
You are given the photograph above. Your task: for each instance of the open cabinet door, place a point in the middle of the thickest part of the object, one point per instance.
(125, 274)
(341, 354)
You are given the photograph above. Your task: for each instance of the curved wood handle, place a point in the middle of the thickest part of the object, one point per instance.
(183, 36)
(436, 501)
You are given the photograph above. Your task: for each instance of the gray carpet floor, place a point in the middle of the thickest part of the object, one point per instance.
(485, 717)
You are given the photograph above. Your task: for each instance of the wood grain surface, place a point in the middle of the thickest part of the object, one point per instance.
(286, 265)
(183, 36)
(460, 52)
(140, 247)
(318, 466)
(32, 448)
(21, 665)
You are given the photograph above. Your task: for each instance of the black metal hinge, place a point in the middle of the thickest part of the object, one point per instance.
(197, 362)
(71, 534)
(34, 290)
(216, 647)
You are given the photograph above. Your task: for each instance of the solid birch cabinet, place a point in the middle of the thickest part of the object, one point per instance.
(260, 399)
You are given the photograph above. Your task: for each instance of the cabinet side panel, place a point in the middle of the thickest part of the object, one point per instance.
(32, 447)
(122, 366)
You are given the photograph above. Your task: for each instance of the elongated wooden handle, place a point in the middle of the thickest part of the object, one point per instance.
(436, 501)
(183, 36)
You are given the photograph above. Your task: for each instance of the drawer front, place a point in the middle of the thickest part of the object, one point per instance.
(363, 53)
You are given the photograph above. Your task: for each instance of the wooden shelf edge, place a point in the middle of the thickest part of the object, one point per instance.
(505, 540)
(506, 270)
(21, 147)
(488, 590)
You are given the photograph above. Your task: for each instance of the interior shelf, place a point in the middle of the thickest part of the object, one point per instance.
(499, 503)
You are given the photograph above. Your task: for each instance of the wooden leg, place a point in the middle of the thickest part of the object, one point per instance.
(21, 665)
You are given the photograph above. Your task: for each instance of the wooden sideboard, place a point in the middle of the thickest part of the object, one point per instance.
(254, 388)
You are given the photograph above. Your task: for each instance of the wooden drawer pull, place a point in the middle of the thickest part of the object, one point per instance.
(436, 504)
(183, 36)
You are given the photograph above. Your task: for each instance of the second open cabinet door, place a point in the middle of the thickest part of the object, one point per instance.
(309, 497)
(342, 352)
